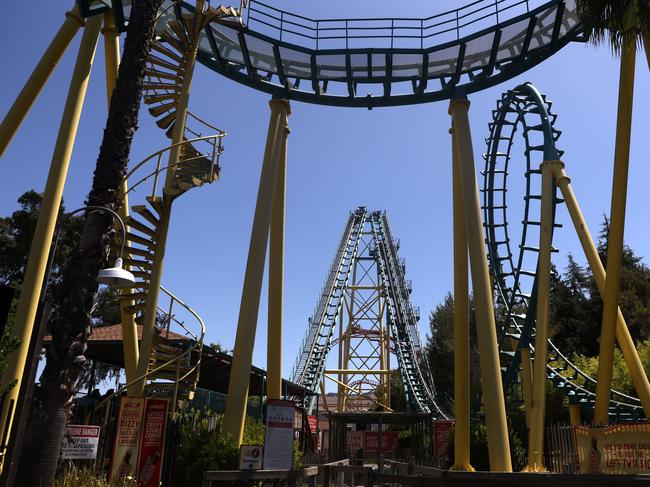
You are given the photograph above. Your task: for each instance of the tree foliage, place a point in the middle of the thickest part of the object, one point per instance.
(440, 346)
(615, 21)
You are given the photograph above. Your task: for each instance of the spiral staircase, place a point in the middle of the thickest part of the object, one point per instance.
(177, 345)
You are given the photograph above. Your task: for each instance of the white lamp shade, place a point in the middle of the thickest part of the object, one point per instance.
(116, 276)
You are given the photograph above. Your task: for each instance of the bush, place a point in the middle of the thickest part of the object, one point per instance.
(74, 476)
(203, 445)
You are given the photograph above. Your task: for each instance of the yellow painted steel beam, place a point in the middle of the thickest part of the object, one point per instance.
(630, 353)
(248, 310)
(461, 324)
(575, 415)
(276, 281)
(538, 409)
(47, 217)
(32, 88)
(129, 330)
(616, 230)
(497, 428)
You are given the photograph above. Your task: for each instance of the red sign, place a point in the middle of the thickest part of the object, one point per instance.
(127, 438)
(152, 442)
(313, 428)
(371, 442)
(441, 429)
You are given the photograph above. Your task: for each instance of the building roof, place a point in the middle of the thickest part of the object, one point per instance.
(105, 345)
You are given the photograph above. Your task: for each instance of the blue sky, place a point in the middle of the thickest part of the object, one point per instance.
(395, 159)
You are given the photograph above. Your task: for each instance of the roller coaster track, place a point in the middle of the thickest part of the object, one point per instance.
(377, 245)
(386, 61)
(514, 264)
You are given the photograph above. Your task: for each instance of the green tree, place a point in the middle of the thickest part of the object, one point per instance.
(440, 352)
(72, 322)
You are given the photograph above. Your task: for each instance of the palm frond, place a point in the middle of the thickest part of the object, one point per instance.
(616, 21)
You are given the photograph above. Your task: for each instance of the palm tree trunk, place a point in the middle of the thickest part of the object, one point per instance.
(71, 325)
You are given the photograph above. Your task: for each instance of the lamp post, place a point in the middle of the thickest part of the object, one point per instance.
(115, 277)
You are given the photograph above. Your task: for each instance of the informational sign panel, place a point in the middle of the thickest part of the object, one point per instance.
(441, 431)
(354, 441)
(152, 442)
(371, 442)
(250, 457)
(127, 438)
(616, 449)
(278, 442)
(80, 442)
(313, 429)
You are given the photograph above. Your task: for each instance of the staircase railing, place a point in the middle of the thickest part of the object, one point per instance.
(215, 146)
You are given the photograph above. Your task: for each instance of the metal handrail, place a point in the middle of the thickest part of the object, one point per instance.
(214, 140)
(281, 23)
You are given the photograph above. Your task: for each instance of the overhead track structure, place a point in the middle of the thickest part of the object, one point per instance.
(514, 259)
(366, 296)
(386, 61)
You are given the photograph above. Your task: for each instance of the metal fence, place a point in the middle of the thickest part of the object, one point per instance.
(383, 32)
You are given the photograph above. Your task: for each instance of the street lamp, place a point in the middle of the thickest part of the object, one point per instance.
(115, 277)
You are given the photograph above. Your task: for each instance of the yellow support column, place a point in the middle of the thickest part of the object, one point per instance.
(461, 324)
(630, 353)
(616, 230)
(495, 412)
(248, 310)
(47, 217)
(39, 77)
(575, 415)
(129, 330)
(276, 281)
(538, 410)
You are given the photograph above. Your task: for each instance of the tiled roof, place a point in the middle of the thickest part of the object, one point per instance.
(113, 333)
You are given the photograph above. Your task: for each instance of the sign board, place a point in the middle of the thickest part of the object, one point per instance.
(354, 441)
(616, 449)
(441, 431)
(152, 442)
(127, 438)
(250, 457)
(80, 442)
(278, 442)
(371, 442)
(313, 429)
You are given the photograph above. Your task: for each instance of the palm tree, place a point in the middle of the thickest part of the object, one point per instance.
(70, 326)
(625, 24)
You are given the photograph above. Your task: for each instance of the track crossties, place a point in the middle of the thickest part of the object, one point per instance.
(386, 62)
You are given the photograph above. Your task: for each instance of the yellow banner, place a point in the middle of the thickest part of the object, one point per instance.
(617, 449)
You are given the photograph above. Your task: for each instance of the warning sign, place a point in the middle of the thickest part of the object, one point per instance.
(80, 442)
(616, 449)
(250, 457)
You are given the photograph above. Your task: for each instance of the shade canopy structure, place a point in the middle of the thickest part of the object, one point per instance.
(105, 345)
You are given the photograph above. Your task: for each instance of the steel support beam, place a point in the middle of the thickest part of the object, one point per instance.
(32, 88)
(616, 230)
(248, 310)
(497, 428)
(461, 324)
(630, 353)
(538, 409)
(47, 217)
(276, 279)
(129, 329)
